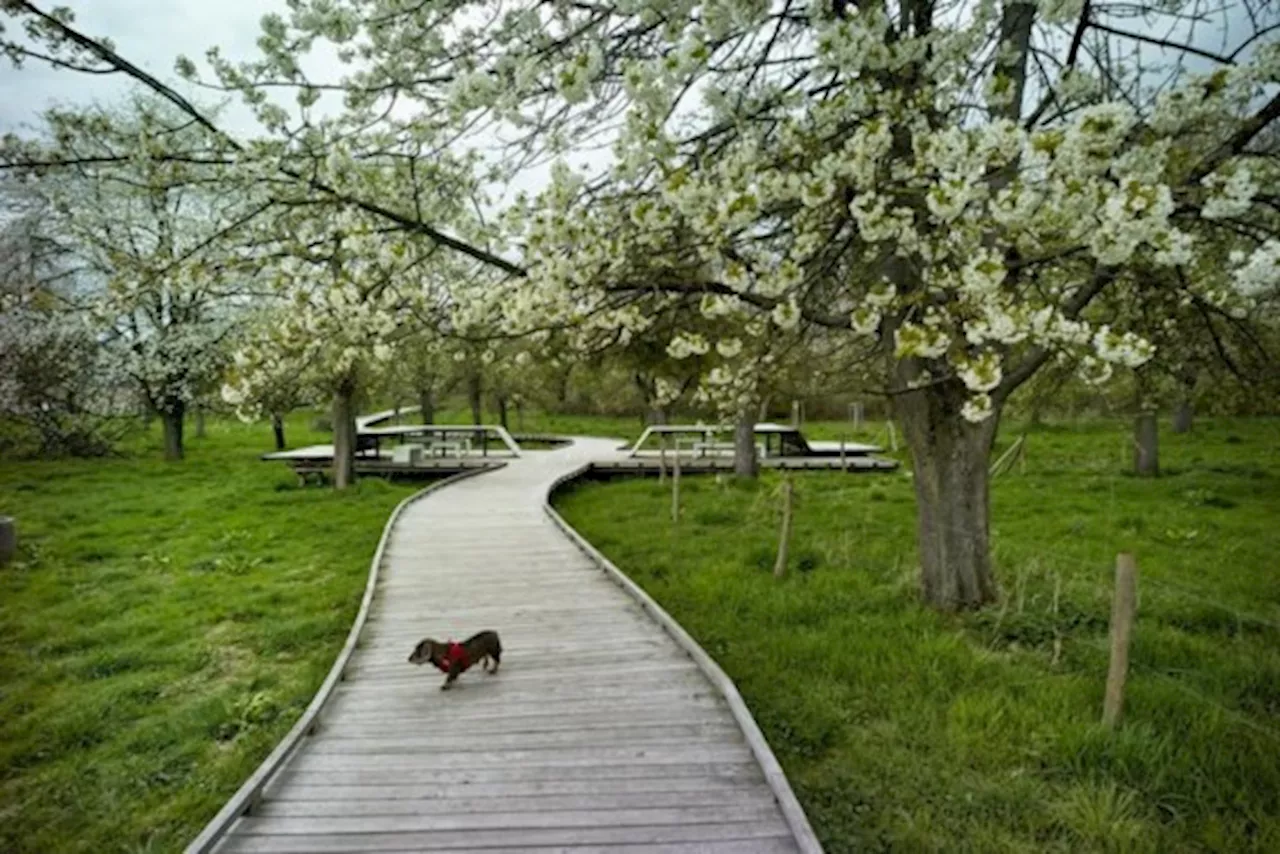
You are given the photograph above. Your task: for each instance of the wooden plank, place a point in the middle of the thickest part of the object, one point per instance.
(483, 794)
(774, 845)
(492, 821)
(461, 802)
(515, 672)
(631, 709)
(529, 757)
(354, 727)
(247, 841)
(479, 739)
(743, 771)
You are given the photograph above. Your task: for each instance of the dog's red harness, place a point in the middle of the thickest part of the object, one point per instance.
(456, 652)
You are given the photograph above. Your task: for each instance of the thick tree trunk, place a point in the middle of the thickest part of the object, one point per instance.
(1146, 444)
(474, 396)
(344, 435)
(1182, 417)
(277, 427)
(171, 418)
(745, 463)
(501, 400)
(949, 465)
(655, 415)
(199, 422)
(427, 405)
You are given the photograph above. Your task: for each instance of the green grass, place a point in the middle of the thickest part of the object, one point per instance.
(906, 730)
(163, 626)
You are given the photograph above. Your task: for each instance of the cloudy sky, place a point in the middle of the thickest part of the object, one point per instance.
(149, 33)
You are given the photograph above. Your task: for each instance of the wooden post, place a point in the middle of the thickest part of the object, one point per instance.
(1057, 632)
(784, 536)
(795, 413)
(8, 539)
(1122, 609)
(675, 485)
(662, 458)
(893, 437)
(844, 465)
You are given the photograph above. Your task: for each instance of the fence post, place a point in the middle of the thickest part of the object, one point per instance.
(675, 484)
(8, 539)
(1122, 610)
(844, 464)
(784, 537)
(662, 458)
(795, 413)
(893, 437)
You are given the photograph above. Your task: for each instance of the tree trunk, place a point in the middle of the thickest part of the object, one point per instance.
(199, 422)
(745, 463)
(501, 400)
(171, 418)
(474, 390)
(562, 387)
(1182, 417)
(427, 405)
(344, 435)
(277, 427)
(655, 415)
(949, 466)
(1146, 444)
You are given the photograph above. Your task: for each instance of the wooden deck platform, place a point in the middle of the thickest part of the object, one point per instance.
(599, 733)
(691, 464)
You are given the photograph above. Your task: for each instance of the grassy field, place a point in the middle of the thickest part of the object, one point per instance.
(162, 628)
(906, 730)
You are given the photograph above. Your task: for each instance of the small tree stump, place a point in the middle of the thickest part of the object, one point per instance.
(8, 539)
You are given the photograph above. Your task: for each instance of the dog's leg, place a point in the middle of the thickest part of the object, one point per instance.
(455, 668)
(497, 657)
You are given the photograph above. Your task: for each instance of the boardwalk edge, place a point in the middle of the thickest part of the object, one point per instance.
(773, 773)
(248, 793)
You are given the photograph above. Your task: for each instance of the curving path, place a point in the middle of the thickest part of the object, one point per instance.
(599, 733)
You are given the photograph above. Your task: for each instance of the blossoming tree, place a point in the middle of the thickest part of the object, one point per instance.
(957, 183)
(140, 224)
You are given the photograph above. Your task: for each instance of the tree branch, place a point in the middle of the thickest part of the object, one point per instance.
(1038, 355)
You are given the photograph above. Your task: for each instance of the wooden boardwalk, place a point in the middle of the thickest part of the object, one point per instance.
(599, 733)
